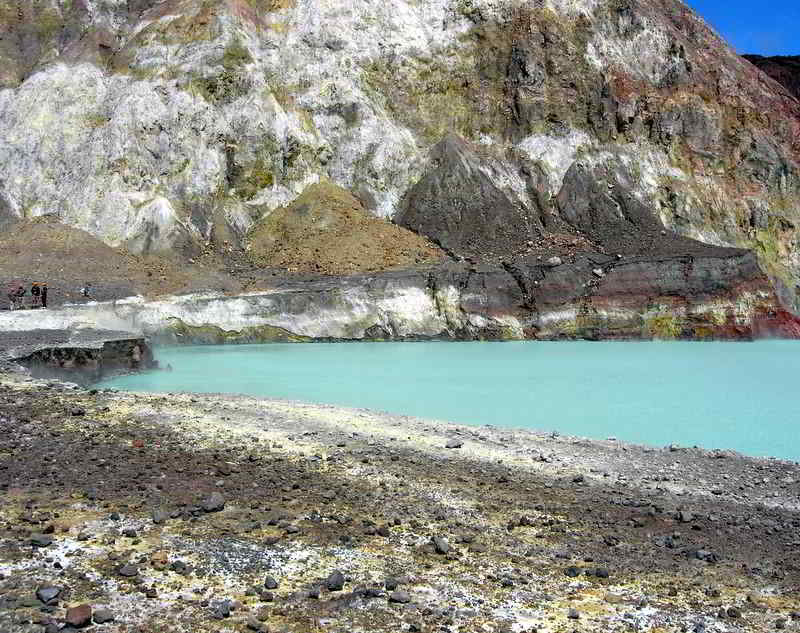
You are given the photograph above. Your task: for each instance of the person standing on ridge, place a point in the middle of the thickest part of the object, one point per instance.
(36, 295)
(44, 295)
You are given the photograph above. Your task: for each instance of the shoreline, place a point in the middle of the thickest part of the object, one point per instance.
(669, 537)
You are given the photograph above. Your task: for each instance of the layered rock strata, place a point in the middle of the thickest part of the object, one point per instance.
(724, 296)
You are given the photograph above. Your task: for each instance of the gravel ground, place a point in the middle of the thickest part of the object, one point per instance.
(222, 513)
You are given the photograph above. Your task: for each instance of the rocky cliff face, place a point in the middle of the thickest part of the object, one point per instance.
(722, 295)
(499, 129)
(785, 69)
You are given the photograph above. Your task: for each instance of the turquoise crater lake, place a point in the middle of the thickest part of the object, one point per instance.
(740, 396)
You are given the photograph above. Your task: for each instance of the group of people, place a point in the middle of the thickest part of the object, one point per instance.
(16, 295)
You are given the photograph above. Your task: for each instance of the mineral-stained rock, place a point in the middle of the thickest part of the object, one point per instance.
(561, 129)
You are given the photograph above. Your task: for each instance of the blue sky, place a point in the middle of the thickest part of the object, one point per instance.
(769, 27)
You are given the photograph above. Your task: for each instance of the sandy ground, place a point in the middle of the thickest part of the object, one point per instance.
(223, 513)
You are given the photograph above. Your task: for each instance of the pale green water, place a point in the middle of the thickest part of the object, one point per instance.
(741, 396)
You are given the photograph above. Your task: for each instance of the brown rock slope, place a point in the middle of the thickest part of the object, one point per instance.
(327, 230)
(66, 258)
(785, 69)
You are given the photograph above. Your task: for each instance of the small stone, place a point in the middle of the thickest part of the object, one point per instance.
(454, 444)
(41, 540)
(440, 544)
(734, 613)
(78, 411)
(254, 625)
(214, 503)
(598, 272)
(685, 517)
(159, 560)
(780, 623)
(222, 610)
(101, 616)
(572, 572)
(270, 583)
(48, 594)
(573, 614)
(159, 516)
(335, 581)
(129, 571)
(554, 261)
(79, 616)
(400, 597)
(129, 533)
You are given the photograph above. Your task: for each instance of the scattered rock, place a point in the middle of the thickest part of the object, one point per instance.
(48, 594)
(270, 583)
(79, 616)
(128, 571)
(573, 614)
(440, 544)
(41, 540)
(160, 516)
(214, 503)
(222, 610)
(454, 444)
(335, 581)
(101, 616)
(400, 597)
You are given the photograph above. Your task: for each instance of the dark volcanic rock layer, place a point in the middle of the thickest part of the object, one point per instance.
(785, 69)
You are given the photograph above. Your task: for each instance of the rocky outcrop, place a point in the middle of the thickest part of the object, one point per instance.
(712, 296)
(95, 355)
(457, 205)
(785, 69)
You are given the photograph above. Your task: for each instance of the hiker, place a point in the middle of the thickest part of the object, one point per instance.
(11, 293)
(44, 295)
(86, 291)
(16, 292)
(36, 295)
